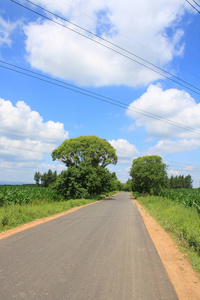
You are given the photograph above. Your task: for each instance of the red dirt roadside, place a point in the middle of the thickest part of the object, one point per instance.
(184, 279)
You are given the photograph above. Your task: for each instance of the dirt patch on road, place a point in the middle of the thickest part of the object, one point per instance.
(185, 280)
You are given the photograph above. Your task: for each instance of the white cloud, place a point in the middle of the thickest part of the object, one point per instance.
(6, 29)
(24, 150)
(170, 146)
(125, 151)
(189, 168)
(61, 52)
(25, 137)
(173, 172)
(58, 167)
(172, 104)
(20, 122)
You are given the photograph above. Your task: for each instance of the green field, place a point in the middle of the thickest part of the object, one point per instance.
(23, 204)
(26, 194)
(188, 197)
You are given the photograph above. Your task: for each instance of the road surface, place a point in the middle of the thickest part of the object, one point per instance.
(99, 252)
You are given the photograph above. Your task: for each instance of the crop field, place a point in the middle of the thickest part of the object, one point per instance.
(188, 197)
(23, 204)
(25, 195)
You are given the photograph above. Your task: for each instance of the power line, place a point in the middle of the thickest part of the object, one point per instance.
(96, 35)
(124, 35)
(184, 83)
(193, 5)
(196, 3)
(93, 95)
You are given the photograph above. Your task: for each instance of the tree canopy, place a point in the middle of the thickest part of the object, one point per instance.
(148, 174)
(87, 150)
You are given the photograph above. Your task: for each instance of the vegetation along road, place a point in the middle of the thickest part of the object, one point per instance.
(101, 251)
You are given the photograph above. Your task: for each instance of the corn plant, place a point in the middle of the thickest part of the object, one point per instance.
(188, 197)
(25, 194)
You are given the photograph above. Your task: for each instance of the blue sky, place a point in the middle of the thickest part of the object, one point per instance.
(36, 117)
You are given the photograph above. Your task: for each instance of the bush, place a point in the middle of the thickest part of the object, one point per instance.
(79, 182)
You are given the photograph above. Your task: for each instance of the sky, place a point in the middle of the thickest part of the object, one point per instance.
(125, 71)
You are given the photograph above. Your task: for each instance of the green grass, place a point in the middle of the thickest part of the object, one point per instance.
(42, 202)
(180, 221)
(15, 214)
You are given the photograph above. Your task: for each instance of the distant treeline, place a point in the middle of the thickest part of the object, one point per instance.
(174, 182)
(179, 182)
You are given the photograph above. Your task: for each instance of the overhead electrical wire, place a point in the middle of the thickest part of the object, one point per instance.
(196, 3)
(182, 82)
(193, 5)
(124, 35)
(86, 92)
(90, 94)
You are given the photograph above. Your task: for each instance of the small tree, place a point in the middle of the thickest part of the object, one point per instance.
(37, 178)
(188, 182)
(148, 174)
(48, 178)
(44, 179)
(171, 182)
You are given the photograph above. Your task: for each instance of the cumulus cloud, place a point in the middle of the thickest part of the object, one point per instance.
(125, 151)
(20, 122)
(24, 150)
(172, 104)
(25, 137)
(60, 52)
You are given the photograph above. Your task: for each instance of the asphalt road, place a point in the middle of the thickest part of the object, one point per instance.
(99, 252)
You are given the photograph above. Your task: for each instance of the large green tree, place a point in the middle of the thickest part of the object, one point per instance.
(86, 158)
(148, 174)
(87, 150)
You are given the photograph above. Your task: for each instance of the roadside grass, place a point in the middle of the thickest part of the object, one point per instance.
(13, 215)
(183, 223)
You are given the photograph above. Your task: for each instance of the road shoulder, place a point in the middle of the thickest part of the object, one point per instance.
(185, 280)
